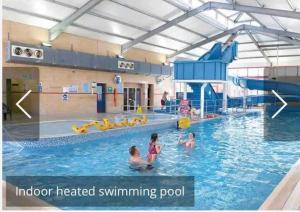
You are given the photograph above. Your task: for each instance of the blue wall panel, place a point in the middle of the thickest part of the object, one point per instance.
(199, 74)
(179, 71)
(210, 69)
(188, 72)
(218, 72)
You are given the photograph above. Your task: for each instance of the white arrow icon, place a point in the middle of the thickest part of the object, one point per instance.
(283, 106)
(19, 106)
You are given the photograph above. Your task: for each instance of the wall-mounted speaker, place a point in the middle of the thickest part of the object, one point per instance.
(27, 52)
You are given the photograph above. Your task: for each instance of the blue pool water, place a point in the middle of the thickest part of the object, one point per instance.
(234, 166)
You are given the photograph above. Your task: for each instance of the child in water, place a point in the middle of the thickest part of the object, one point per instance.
(154, 148)
(190, 143)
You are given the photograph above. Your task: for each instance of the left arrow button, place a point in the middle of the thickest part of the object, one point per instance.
(19, 106)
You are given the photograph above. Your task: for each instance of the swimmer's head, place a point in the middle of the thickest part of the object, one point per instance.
(133, 151)
(192, 135)
(154, 137)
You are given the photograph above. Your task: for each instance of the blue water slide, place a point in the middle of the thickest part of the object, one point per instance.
(212, 100)
(210, 66)
(284, 88)
(215, 53)
(230, 53)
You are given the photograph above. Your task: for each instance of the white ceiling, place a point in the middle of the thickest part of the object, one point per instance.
(119, 21)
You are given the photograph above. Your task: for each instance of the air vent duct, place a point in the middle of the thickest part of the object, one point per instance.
(27, 52)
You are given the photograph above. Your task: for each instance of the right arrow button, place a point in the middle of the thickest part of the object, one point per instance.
(283, 106)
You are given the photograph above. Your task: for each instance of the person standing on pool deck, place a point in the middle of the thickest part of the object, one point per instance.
(190, 143)
(154, 148)
(164, 100)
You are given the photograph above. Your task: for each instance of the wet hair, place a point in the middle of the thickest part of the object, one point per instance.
(154, 137)
(194, 135)
(132, 150)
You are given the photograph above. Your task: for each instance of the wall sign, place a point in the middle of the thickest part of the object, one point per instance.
(125, 65)
(65, 89)
(94, 84)
(109, 89)
(86, 88)
(73, 89)
(70, 89)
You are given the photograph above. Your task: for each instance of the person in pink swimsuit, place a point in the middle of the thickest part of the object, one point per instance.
(190, 143)
(154, 148)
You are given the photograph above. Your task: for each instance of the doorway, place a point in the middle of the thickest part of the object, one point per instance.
(100, 89)
(132, 98)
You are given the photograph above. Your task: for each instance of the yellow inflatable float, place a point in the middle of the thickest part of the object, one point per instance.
(79, 129)
(184, 123)
(109, 125)
(139, 110)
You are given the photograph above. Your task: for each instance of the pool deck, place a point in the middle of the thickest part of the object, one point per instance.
(286, 195)
(62, 127)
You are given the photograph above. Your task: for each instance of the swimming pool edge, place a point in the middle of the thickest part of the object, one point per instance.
(286, 195)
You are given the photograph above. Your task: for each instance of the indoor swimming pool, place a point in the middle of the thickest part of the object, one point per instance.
(234, 165)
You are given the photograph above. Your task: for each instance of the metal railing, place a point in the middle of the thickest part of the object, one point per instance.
(210, 106)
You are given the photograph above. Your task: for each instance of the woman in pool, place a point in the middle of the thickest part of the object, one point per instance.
(154, 148)
(136, 162)
(190, 143)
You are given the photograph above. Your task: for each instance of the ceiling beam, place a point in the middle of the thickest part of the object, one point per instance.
(230, 39)
(201, 17)
(274, 18)
(210, 6)
(295, 42)
(271, 49)
(93, 13)
(218, 12)
(123, 4)
(208, 40)
(258, 47)
(56, 30)
(291, 5)
(102, 16)
(273, 31)
(275, 45)
(249, 14)
(277, 34)
(163, 27)
(232, 15)
(238, 17)
(271, 56)
(256, 19)
(89, 29)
